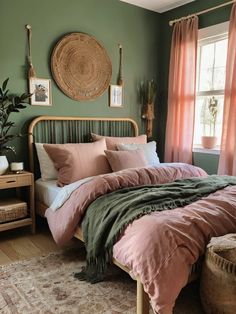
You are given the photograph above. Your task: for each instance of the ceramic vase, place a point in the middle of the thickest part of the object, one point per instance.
(3, 164)
(209, 141)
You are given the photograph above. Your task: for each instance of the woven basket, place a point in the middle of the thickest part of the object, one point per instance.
(218, 278)
(81, 67)
(12, 209)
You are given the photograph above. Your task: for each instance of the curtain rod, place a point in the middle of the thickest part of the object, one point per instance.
(201, 12)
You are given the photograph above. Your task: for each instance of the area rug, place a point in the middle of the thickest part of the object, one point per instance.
(45, 285)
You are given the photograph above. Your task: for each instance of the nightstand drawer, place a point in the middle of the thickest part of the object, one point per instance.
(14, 181)
(8, 181)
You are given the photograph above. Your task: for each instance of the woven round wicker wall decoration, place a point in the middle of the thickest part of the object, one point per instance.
(81, 67)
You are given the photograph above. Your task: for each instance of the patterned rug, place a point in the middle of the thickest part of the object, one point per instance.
(45, 285)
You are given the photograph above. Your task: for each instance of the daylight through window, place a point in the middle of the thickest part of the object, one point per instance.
(211, 68)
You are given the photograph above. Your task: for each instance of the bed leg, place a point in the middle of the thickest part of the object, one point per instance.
(142, 299)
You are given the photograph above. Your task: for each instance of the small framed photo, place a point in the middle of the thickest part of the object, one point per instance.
(116, 96)
(41, 91)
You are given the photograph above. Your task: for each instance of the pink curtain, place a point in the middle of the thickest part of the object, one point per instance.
(181, 92)
(227, 163)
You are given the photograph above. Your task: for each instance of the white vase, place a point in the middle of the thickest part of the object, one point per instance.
(3, 164)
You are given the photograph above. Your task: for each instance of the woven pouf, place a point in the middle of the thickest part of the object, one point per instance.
(218, 278)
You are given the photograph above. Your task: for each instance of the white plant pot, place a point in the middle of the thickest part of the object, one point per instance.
(3, 164)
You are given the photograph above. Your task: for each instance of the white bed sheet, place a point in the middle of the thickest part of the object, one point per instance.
(54, 196)
(46, 191)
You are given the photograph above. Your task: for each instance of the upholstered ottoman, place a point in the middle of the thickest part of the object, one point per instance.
(218, 278)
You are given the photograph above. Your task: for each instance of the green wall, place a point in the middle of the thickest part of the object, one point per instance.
(145, 36)
(207, 161)
(109, 21)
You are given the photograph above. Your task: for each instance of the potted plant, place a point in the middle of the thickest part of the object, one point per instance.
(209, 117)
(8, 103)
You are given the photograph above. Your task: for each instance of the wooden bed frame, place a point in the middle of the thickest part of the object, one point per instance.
(44, 129)
(55, 129)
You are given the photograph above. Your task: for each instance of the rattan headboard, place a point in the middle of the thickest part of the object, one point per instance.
(54, 129)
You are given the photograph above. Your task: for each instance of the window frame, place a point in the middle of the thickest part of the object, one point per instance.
(206, 36)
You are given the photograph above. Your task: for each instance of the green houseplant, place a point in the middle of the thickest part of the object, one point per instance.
(9, 103)
(209, 118)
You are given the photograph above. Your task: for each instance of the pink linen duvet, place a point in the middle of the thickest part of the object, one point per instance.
(160, 247)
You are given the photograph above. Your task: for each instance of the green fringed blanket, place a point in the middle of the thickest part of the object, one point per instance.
(108, 215)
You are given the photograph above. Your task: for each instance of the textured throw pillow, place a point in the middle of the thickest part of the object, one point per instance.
(47, 169)
(149, 151)
(113, 141)
(120, 160)
(78, 161)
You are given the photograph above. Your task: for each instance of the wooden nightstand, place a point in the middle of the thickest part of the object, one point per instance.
(19, 181)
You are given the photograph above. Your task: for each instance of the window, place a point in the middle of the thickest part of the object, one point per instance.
(211, 68)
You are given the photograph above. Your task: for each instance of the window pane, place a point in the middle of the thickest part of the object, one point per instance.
(204, 119)
(207, 56)
(205, 79)
(206, 67)
(220, 53)
(220, 64)
(212, 60)
(219, 78)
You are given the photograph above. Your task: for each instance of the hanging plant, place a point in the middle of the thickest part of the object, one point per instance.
(147, 94)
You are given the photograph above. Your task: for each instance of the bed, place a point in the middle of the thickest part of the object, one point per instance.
(48, 129)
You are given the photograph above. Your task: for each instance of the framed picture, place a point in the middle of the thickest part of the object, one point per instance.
(41, 91)
(116, 96)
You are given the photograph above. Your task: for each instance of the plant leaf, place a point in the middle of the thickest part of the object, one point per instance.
(25, 96)
(20, 106)
(16, 100)
(9, 123)
(4, 85)
(10, 148)
(5, 94)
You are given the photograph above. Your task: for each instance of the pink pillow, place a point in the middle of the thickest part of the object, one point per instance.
(78, 161)
(113, 141)
(119, 160)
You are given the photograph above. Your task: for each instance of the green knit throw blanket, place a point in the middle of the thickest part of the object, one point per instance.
(108, 215)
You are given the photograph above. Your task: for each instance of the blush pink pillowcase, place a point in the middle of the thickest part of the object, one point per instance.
(113, 141)
(120, 160)
(78, 161)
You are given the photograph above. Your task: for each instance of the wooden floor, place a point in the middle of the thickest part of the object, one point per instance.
(19, 244)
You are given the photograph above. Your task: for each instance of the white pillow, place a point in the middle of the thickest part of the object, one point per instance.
(47, 169)
(149, 151)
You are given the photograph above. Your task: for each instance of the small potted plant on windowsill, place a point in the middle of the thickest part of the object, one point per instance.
(209, 116)
(8, 103)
